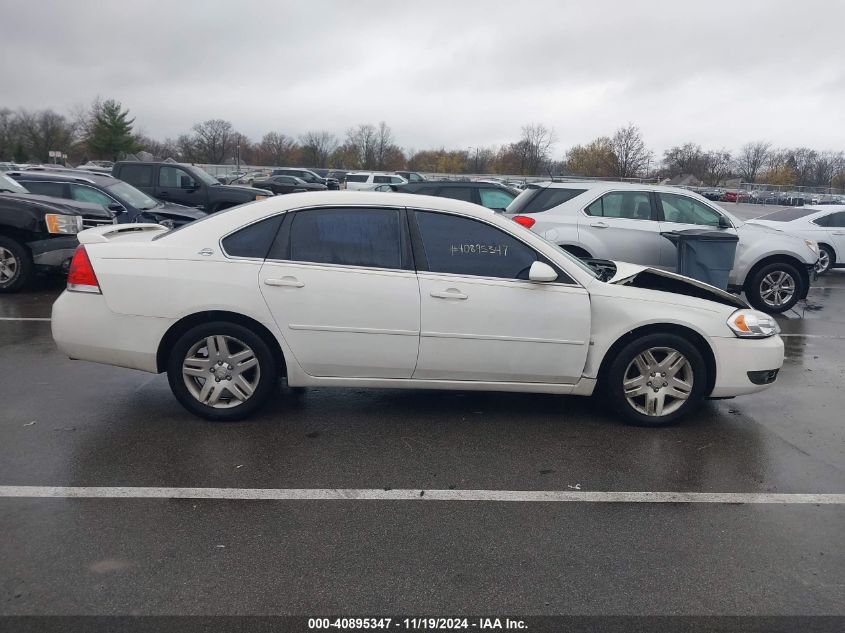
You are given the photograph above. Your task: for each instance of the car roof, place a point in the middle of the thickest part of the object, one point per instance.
(608, 184)
(66, 175)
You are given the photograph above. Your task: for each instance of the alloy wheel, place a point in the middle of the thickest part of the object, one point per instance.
(824, 261)
(221, 371)
(658, 381)
(777, 288)
(8, 266)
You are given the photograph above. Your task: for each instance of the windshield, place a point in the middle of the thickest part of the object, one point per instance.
(204, 176)
(10, 185)
(127, 194)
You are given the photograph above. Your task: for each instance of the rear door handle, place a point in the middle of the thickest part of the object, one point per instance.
(287, 282)
(451, 293)
(163, 194)
(839, 232)
(600, 225)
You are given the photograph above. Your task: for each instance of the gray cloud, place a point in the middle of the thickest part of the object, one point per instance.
(442, 73)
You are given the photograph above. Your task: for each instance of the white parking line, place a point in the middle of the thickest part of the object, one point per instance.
(23, 319)
(381, 494)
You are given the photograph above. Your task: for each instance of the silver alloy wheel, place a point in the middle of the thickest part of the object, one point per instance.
(221, 371)
(824, 261)
(777, 288)
(8, 265)
(658, 381)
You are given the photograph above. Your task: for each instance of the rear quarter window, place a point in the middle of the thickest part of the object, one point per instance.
(253, 241)
(539, 200)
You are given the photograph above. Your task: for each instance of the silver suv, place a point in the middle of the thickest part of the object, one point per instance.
(618, 221)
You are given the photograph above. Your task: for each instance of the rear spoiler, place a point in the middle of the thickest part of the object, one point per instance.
(100, 234)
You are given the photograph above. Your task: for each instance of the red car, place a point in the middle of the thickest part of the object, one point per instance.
(735, 196)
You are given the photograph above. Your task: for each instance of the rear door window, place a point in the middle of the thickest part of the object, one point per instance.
(347, 237)
(380, 180)
(45, 188)
(456, 193)
(631, 205)
(356, 178)
(138, 175)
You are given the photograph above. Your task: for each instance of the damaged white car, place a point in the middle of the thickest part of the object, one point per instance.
(359, 289)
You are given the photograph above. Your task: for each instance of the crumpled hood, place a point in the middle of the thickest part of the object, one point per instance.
(177, 211)
(755, 226)
(255, 191)
(664, 281)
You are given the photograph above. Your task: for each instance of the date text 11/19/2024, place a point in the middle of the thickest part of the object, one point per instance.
(417, 624)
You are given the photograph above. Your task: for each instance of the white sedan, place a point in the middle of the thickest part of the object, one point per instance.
(358, 289)
(824, 224)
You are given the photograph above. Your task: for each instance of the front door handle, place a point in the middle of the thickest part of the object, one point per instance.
(163, 194)
(600, 225)
(287, 282)
(451, 293)
(839, 232)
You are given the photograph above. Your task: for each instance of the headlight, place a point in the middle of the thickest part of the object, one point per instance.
(752, 324)
(813, 246)
(60, 223)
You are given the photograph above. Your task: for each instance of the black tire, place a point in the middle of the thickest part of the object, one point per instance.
(831, 259)
(760, 284)
(16, 274)
(619, 369)
(265, 381)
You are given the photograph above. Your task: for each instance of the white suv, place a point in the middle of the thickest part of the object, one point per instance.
(619, 221)
(368, 179)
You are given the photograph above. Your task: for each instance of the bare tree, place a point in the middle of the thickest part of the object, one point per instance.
(317, 147)
(362, 141)
(534, 148)
(277, 148)
(828, 166)
(212, 140)
(632, 156)
(685, 159)
(751, 159)
(44, 131)
(383, 145)
(717, 166)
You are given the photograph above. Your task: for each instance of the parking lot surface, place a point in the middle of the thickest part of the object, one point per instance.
(74, 424)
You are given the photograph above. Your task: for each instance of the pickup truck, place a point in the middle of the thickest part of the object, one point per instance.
(39, 232)
(185, 184)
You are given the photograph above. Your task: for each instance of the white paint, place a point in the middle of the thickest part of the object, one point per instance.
(378, 494)
(23, 319)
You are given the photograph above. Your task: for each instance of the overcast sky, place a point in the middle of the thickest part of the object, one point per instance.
(454, 73)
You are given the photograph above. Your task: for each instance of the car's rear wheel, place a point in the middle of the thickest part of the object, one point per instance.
(827, 258)
(775, 288)
(221, 371)
(16, 268)
(656, 379)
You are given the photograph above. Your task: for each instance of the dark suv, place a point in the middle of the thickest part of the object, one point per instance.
(185, 184)
(308, 176)
(125, 201)
(39, 232)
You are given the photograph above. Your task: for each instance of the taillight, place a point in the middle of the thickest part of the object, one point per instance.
(80, 276)
(524, 220)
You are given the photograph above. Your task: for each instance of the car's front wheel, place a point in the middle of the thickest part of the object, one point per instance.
(656, 379)
(774, 288)
(827, 258)
(16, 266)
(221, 371)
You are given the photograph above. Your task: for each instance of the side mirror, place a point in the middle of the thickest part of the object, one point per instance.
(724, 223)
(116, 207)
(540, 271)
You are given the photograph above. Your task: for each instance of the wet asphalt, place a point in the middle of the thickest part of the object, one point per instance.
(67, 423)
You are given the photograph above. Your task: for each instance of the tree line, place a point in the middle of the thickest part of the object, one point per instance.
(105, 130)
